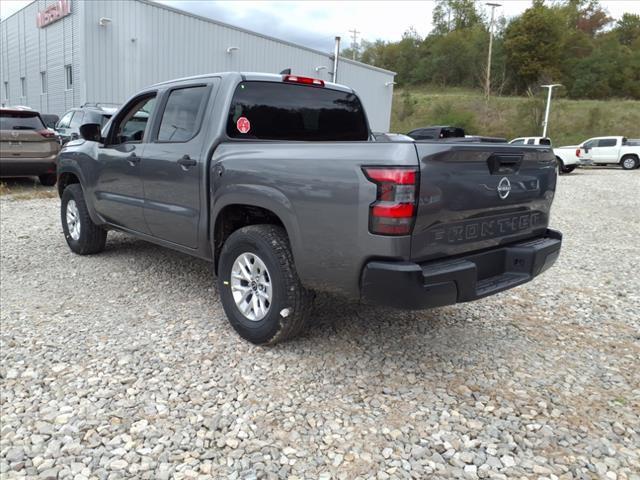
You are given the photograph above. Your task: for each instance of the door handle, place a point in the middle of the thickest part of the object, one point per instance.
(186, 161)
(133, 159)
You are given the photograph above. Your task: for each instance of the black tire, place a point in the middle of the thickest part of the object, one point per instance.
(629, 162)
(562, 169)
(48, 179)
(92, 238)
(290, 302)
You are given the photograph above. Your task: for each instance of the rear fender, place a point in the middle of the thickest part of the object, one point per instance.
(258, 196)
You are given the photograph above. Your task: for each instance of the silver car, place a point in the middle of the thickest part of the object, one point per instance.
(27, 146)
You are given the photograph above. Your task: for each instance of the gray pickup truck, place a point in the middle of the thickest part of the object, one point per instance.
(278, 181)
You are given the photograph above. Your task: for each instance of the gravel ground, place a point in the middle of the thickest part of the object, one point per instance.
(123, 365)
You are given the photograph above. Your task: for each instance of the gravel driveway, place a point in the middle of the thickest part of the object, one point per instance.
(123, 365)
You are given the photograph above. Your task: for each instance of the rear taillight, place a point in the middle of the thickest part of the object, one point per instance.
(316, 82)
(47, 133)
(394, 210)
(577, 152)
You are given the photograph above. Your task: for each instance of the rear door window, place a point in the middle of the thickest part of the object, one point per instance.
(181, 116)
(77, 118)
(20, 121)
(285, 111)
(607, 142)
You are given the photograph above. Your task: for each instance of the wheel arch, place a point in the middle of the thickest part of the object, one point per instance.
(66, 178)
(251, 207)
(634, 156)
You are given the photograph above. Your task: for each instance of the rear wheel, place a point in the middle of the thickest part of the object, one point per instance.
(629, 162)
(564, 169)
(48, 179)
(259, 287)
(83, 236)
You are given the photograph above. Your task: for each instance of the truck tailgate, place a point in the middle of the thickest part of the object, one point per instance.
(476, 196)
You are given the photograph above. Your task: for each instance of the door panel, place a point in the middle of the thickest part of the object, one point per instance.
(119, 194)
(172, 192)
(173, 166)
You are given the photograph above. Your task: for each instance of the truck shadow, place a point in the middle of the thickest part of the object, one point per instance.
(337, 326)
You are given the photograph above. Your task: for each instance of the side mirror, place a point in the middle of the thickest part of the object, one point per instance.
(90, 132)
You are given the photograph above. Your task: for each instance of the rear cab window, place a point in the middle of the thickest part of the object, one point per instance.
(20, 120)
(286, 111)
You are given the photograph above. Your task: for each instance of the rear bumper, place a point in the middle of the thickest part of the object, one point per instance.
(434, 284)
(12, 167)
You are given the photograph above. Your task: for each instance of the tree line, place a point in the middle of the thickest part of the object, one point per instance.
(572, 42)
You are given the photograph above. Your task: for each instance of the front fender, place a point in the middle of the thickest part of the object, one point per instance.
(70, 162)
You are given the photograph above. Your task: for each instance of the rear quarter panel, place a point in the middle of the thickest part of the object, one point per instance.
(322, 197)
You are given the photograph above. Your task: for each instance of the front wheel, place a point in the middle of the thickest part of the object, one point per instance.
(83, 236)
(629, 162)
(259, 287)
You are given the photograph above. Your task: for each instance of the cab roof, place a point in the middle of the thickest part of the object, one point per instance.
(252, 77)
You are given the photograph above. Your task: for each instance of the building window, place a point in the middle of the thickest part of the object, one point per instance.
(23, 86)
(6, 90)
(43, 81)
(69, 76)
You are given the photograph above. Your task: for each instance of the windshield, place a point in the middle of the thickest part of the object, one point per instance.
(284, 111)
(20, 121)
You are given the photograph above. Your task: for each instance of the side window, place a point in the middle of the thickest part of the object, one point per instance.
(531, 141)
(65, 120)
(607, 142)
(76, 121)
(545, 141)
(132, 123)
(589, 144)
(181, 117)
(518, 141)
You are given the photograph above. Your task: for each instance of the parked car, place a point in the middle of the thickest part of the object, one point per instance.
(531, 141)
(437, 132)
(614, 150)
(27, 146)
(68, 127)
(50, 120)
(566, 156)
(448, 134)
(278, 180)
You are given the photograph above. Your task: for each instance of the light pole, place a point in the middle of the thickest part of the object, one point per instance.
(545, 124)
(487, 83)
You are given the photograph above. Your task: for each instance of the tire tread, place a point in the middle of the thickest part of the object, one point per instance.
(92, 237)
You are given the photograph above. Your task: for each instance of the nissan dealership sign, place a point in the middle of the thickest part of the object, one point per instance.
(53, 13)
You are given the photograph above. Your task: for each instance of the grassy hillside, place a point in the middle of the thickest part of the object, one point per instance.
(570, 122)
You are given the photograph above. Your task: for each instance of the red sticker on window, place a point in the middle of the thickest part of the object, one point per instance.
(243, 125)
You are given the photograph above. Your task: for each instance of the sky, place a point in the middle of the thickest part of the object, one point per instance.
(316, 23)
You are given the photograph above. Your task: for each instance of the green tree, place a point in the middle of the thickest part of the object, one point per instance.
(533, 44)
(450, 15)
(627, 29)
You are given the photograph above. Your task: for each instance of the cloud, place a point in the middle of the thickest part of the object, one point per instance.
(262, 18)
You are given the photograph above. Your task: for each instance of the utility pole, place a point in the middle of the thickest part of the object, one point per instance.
(487, 83)
(354, 43)
(545, 124)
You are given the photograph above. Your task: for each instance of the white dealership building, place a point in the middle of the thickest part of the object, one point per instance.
(60, 54)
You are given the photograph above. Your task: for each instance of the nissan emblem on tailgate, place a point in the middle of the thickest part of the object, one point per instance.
(504, 188)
